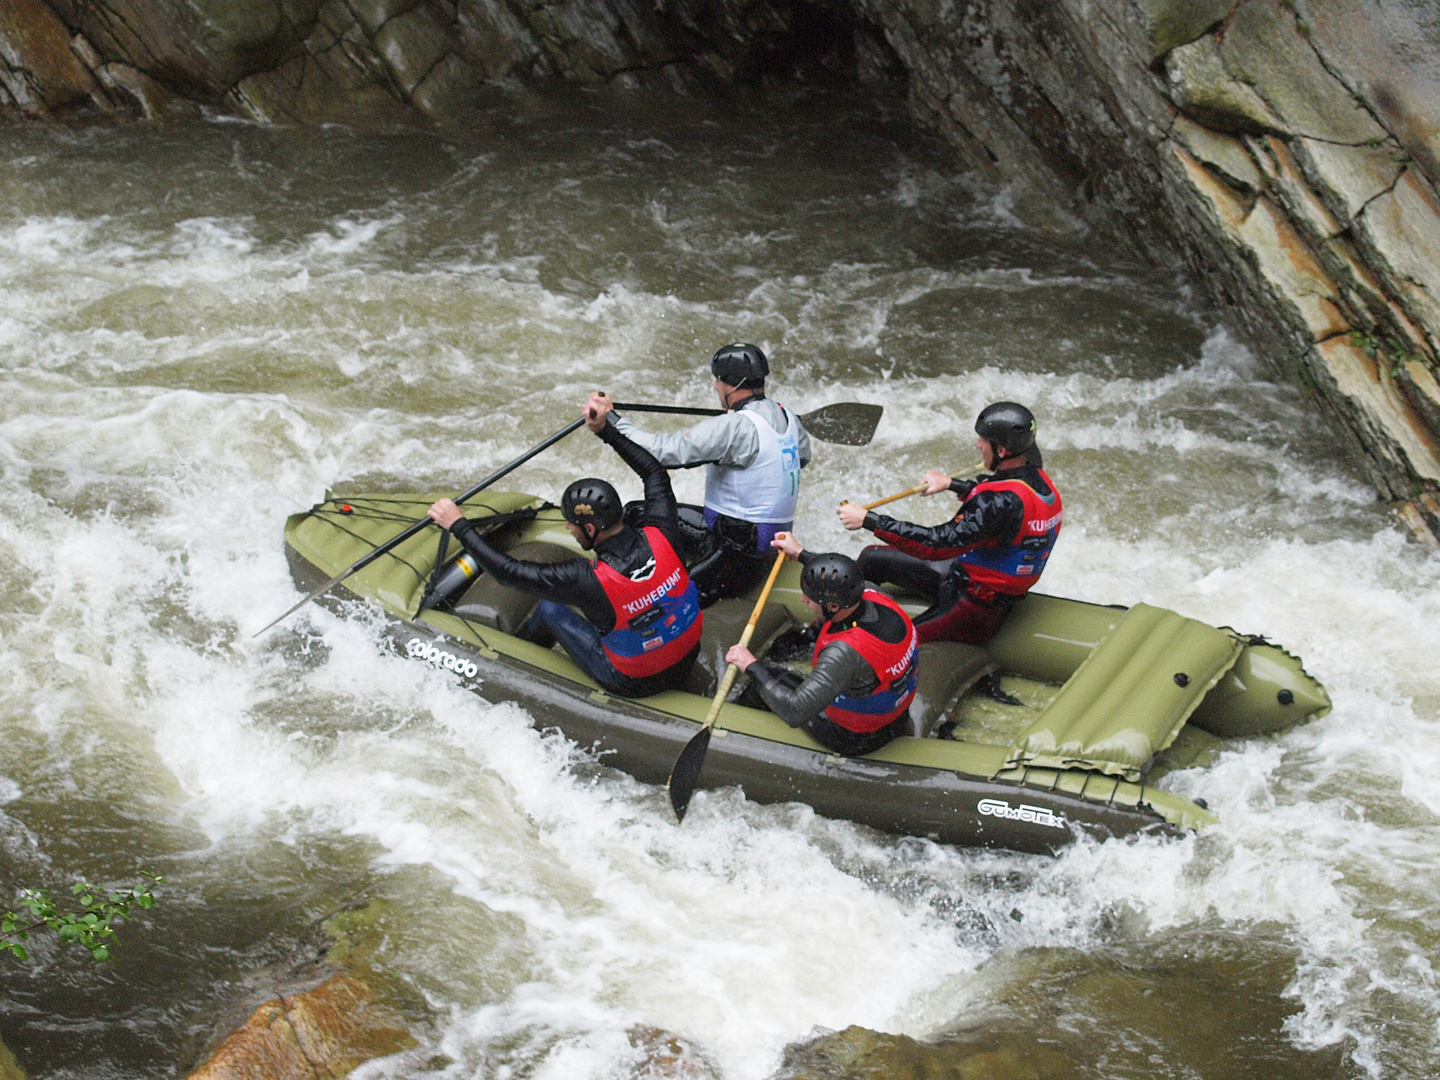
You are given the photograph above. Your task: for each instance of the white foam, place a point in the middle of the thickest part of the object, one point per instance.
(142, 501)
(349, 236)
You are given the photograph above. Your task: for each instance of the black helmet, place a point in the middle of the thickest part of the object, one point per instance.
(1007, 425)
(741, 366)
(591, 502)
(833, 579)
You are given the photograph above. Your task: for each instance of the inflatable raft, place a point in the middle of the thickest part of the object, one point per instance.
(1104, 701)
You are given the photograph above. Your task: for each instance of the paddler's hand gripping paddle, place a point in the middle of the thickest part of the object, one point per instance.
(390, 545)
(918, 489)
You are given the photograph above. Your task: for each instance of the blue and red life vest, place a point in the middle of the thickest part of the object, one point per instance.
(894, 666)
(1012, 568)
(657, 616)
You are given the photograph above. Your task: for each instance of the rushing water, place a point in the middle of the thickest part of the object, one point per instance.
(203, 327)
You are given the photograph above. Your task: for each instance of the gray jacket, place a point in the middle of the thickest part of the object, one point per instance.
(727, 439)
(839, 669)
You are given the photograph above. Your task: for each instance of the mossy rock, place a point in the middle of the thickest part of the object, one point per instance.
(860, 1054)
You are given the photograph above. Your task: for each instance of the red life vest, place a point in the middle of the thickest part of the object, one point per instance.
(1012, 568)
(894, 666)
(657, 617)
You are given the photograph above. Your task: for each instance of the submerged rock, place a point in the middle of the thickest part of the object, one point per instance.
(858, 1054)
(1063, 1014)
(666, 1056)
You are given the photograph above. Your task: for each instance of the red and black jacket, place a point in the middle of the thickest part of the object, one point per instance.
(630, 555)
(1001, 538)
(887, 642)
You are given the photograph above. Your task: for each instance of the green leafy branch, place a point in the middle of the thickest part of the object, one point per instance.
(90, 927)
(1385, 352)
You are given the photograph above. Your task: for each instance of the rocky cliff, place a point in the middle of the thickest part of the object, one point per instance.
(1286, 151)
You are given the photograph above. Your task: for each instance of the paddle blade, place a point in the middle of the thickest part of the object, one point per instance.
(849, 423)
(686, 773)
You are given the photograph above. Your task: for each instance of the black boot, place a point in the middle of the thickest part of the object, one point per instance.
(990, 687)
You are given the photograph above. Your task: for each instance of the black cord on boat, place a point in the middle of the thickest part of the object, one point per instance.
(469, 625)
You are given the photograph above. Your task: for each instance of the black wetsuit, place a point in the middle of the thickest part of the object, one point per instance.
(923, 559)
(839, 670)
(574, 584)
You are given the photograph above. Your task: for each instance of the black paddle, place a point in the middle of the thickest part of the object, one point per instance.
(849, 423)
(389, 545)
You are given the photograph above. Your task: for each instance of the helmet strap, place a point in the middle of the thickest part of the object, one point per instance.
(588, 531)
(751, 393)
(998, 454)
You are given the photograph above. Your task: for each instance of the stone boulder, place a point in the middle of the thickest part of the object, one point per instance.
(321, 1034)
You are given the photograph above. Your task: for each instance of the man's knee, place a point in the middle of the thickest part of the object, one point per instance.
(964, 621)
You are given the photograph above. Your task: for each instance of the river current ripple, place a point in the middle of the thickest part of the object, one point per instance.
(205, 326)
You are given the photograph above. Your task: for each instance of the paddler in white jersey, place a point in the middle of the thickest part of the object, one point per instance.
(753, 455)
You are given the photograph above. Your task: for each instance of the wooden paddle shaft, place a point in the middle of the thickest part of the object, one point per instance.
(731, 670)
(916, 490)
(897, 496)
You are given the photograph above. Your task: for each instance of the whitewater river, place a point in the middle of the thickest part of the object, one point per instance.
(205, 326)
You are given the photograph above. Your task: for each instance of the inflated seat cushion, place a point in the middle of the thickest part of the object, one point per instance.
(503, 608)
(1130, 697)
(947, 670)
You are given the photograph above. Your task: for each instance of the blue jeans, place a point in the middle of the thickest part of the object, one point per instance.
(579, 637)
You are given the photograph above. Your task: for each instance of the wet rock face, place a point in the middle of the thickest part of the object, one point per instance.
(379, 61)
(1286, 152)
(1344, 228)
(39, 74)
(322, 1034)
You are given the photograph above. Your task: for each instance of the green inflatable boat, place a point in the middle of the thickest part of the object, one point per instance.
(1104, 701)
